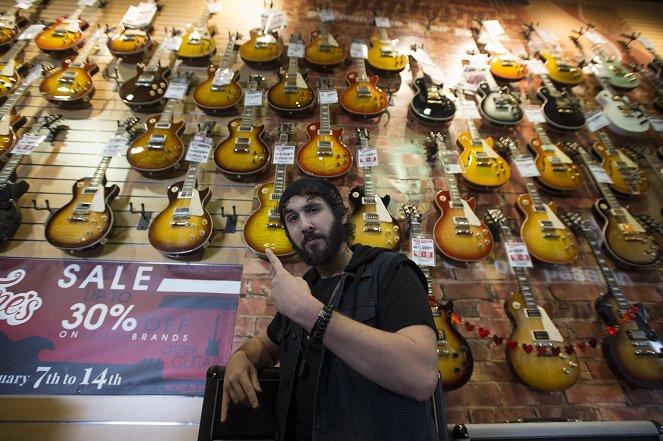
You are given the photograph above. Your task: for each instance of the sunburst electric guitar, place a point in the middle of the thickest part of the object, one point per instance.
(65, 35)
(132, 42)
(263, 229)
(540, 360)
(9, 120)
(197, 43)
(503, 64)
(323, 51)
(560, 68)
(291, 95)
(384, 55)
(557, 172)
(10, 65)
(374, 224)
(363, 98)
(264, 47)
(11, 26)
(454, 357)
(628, 179)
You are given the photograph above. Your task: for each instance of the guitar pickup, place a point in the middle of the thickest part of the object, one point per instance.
(363, 91)
(273, 225)
(156, 142)
(264, 41)
(242, 145)
(534, 312)
(368, 200)
(68, 77)
(325, 148)
(291, 86)
(386, 51)
(181, 213)
(274, 217)
(541, 335)
(77, 219)
(60, 31)
(179, 224)
(145, 80)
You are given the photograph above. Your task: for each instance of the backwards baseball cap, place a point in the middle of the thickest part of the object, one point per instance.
(323, 186)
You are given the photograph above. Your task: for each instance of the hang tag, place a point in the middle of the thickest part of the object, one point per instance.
(139, 17)
(518, 255)
(326, 15)
(382, 22)
(493, 26)
(176, 90)
(115, 146)
(296, 50)
(27, 144)
(535, 114)
(596, 120)
(89, 3)
(458, 32)
(423, 251)
(358, 50)
(526, 167)
(199, 149)
(214, 7)
(594, 37)
(368, 157)
(284, 154)
(272, 19)
(223, 77)
(171, 43)
(469, 110)
(31, 32)
(600, 174)
(537, 67)
(25, 4)
(657, 123)
(253, 98)
(328, 96)
(646, 42)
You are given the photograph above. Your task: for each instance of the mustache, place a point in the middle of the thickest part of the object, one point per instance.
(311, 236)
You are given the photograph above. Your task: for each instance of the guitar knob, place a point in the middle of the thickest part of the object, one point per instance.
(202, 233)
(152, 93)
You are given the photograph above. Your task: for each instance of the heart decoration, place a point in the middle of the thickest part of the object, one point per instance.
(512, 344)
(628, 316)
(634, 309)
(612, 330)
(582, 346)
(497, 339)
(469, 326)
(528, 348)
(484, 332)
(541, 351)
(568, 349)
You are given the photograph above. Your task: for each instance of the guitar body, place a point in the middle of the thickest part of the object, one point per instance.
(561, 110)
(263, 228)
(499, 107)
(431, 107)
(130, 43)
(560, 69)
(175, 236)
(634, 337)
(333, 162)
(8, 83)
(457, 239)
(556, 174)
(213, 99)
(363, 99)
(618, 76)
(627, 179)
(9, 34)
(240, 161)
(161, 158)
(551, 371)
(145, 90)
(507, 67)
(10, 215)
(57, 88)
(385, 61)
(64, 36)
(454, 357)
(74, 232)
(196, 50)
(290, 102)
(322, 55)
(623, 240)
(261, 50)
(555, 244)
(367, 231)
(624, 118)
(482, 169)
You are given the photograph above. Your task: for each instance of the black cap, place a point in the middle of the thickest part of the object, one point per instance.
(321, 185)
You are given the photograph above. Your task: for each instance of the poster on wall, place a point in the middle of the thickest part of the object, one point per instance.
(99, 327)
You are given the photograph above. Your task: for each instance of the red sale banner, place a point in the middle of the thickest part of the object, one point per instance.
(90, 327)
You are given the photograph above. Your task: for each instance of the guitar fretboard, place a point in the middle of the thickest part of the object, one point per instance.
(279, 176)
(454, 192)
(14, 51)
(247, 115)
(13, 98)
(362, 77)
(167, 114)
(602, 186)
(369, 186)
(521, 276)
(549, 84)
(81, 58)
(543, 136)
(228, 54)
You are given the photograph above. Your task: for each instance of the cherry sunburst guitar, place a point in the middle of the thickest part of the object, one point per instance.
(454, 356)
(263, 229)
(633, 350)
(65, 35)
(459, 234)
(383, 55)
(540, 360)
(628, 179)
(11, 26)
(291, 95)
(560, 68)
(374, 225)
(184, 227)
(132, 42)
(561, 109)
(363, 98)
(323, 51)
(243, 153)
(324, 155)
(87, 220)
(221, 92)
(198, 43)
(264, 47)
(557, 172)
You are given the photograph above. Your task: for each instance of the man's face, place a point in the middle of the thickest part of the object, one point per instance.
(314, 231)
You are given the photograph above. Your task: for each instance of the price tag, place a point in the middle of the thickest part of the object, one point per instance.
(326, 15)
(382, 22)
(423, 251)
(171, 43)
(89, 3)
(176, 90)
(115, 146)
(526, 167)
(657, 123)
(596, 120)
(518, 255)
(493, 26)
(600, 174)
(296, 50)
(358, 50)
(535, 114)
(548, 37)
(199, 149)
(537, 67)
(284, 154)
(26, 4)
(139, 17)
(273, 19)
(469, 110)
(223, 77)
(214, 7)
(458, 32)
(328, 96)
(253, 98)
(27, 144)
(646, 42)
(368, 157)
(31, 32)
(594, 37)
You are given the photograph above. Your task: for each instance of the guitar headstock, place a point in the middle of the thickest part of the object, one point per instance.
(528, 29)
(205, 128)
(505, 145)
(411, 214)
(48, 120)
(650, 224)
(285, 129)
(573, 149)
(296, 39)
(363, 135)
(326, 84)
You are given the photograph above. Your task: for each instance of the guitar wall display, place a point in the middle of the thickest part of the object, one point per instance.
(560, 68)
(291, 96)
(132, 42)
(323, 51)
(65, 35)
(384, 55)
(198, 43)
(363, 98)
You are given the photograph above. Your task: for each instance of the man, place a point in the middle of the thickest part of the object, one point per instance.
(355, 336)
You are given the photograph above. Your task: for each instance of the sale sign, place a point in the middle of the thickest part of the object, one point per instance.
(86, 327)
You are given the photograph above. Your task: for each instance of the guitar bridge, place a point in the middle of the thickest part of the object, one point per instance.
(325, 148)
(363, 91)
(68, 77)
(274, 218)
(144, 80)
(462, 225)
(179, 224)
(77, 219)
(156, 142)
(242, 145)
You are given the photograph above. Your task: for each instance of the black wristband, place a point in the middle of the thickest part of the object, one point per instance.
(320, 325)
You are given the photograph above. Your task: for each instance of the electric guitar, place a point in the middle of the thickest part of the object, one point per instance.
(429, 104)
(459, 234)
(11, 26)
(363, 98)
(324, 155)
(454, 356)
(656, 63)
(633, 350)
(65, 35)
(557, 172)
(87, 220)
(11, 191)
(324, 52)
(498, 105)
(625, 239)
(184, 227)
(198, 42)
(291, 95)
(482, 166)
(9, 120)
(560, 108)
(374, 225)
(220, 92)
(263, 49)
(72, 84)
(383, 55)
(627, 178)
(263, 229)
(560, 68)
(131, 42)
(656, 82)
(540, 361)
(10, 65)
(243, 153)
(503, 64)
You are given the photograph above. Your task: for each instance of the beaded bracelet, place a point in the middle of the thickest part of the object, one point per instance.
(320, 325)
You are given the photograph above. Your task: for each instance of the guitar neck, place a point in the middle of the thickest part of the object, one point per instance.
(324, 31)
(14, 51)
(543, 136)
(279, 176)
(384, 37)
(603, 82)
(325, 120)
(247, 117)
(189, 184)
(610, 147)
(492, 84)
(98, 177)
(602, 186)
(155, 59)
(293, 66)
(521, 277)
(167, 114)
(227, 55)
(454, 192)
(9, 168)
(81, 58)
(362, 76)
(549, 84)
(13, 98)
(203, 18)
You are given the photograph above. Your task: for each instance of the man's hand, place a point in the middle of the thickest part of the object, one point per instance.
(240, 384)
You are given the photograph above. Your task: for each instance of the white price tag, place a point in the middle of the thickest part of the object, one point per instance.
(328, 96)
(493, 26)
(115, 146)
(253, 98)
(646, 42)
(25, 4)
(358, 50)
(89, 3)
(176, 90)
(423, 251)
(139, 17)
(537, 67)
(31, 32)
(458, 32)
(273, 19)
(171, 43)
(596, 120)
(469, 110)
(199, 149)
(223, 77)
(518, 255)
(535, 114)
(296, 50)
(594, 37)
(284, 154)
(27, 144)
(214, 7)
(526, 167)
(382, 22)
(600, 174)
(368, 157)
(326, 15)
(657, 123)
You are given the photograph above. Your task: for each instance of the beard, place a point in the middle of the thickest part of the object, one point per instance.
(320, 255)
